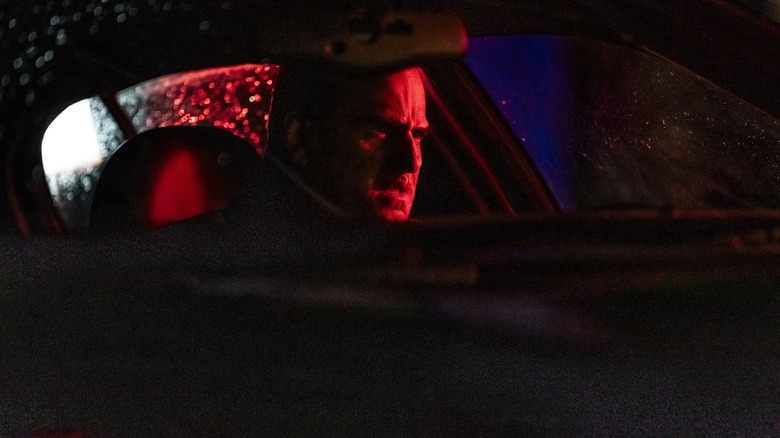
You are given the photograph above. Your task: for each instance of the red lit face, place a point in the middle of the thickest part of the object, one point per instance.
(373, 146)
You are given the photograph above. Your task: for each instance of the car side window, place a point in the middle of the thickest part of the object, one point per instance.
(78, 142)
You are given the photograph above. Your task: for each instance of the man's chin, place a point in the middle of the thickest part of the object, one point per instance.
(393, 214)
(391, 206)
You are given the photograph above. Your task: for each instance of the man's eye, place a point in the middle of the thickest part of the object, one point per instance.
(419, 134)
(374, 134)
(371, 138)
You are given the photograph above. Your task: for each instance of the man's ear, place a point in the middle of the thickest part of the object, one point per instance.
(301, 139)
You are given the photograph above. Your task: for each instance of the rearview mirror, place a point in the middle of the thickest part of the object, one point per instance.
(369, 41)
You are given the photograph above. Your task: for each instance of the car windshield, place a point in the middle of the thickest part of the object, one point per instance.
(612, 127)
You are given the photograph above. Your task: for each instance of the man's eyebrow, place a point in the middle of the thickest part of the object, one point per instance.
(378, 119)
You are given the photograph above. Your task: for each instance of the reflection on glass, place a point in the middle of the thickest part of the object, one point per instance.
(74, 149)
(70, 141)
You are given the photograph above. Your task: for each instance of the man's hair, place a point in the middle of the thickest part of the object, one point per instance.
(304, 89)
(307, 90)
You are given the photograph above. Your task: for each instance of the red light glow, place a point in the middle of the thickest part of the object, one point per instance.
(186, 183)
(236, 99)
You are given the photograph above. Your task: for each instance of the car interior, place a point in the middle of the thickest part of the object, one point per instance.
(593, 250)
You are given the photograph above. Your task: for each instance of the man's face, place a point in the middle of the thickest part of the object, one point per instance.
(373, 144)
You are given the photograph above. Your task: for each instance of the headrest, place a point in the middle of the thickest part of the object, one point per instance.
(167, 175)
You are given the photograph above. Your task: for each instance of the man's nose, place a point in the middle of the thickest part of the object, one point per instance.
(405, 153)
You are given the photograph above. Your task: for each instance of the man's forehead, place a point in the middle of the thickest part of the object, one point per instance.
(400, 91)
(403, 78)
(400, 78)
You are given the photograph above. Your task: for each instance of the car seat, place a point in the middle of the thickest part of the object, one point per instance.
(167, 175)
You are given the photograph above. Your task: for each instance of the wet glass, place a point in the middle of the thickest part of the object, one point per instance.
(613, 127)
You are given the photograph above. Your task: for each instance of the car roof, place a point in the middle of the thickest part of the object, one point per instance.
(123, 43)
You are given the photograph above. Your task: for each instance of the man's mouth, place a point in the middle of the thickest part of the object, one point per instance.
(394, 199)
(393, 205)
